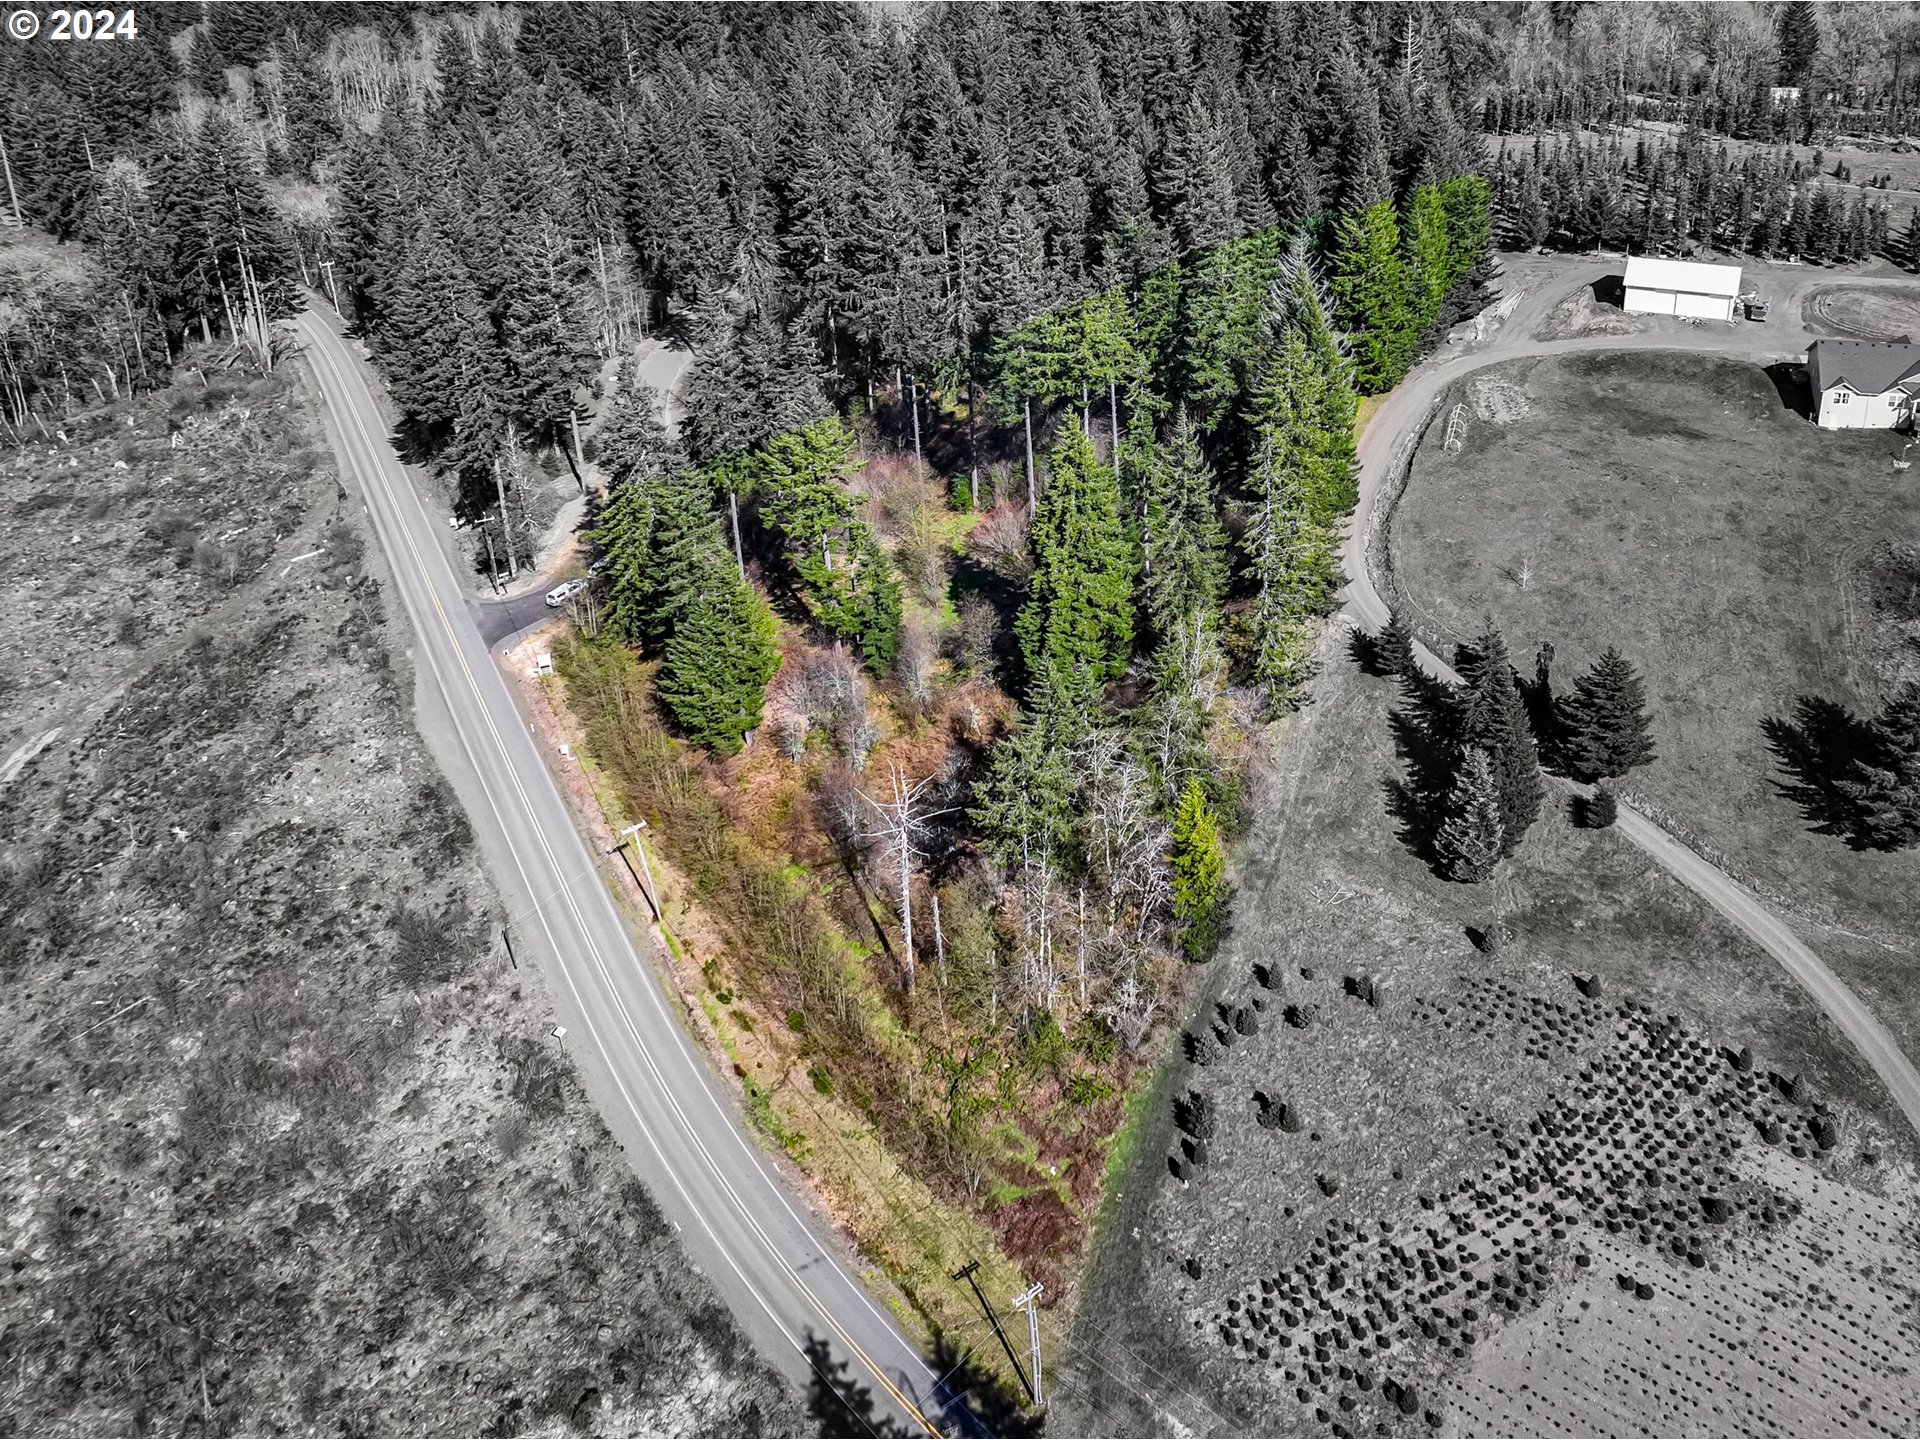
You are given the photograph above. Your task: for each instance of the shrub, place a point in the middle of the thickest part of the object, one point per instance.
(1043, 1045)
(1087, 1090)
(1094, 1038)
(1193, 1113)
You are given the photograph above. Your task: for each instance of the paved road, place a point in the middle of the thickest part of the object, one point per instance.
(1384, 448)
(773, 1263)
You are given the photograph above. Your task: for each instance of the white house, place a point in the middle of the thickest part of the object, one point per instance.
(1863, 384)
(1681, 287)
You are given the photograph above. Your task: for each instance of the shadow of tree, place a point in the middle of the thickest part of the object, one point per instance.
(1424, 737)
(968, 1398)
(1543, 718)
(1363, 648)
(975, 1400)
(1821, 747)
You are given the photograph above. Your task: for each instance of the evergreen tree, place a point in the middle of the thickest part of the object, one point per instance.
(1601, 809)
(1799, 37)
(1023, 805)
(1394, 648)
(1427, 255)
(1493, 720)
(718, 663)
(1195, 184)
(1470, 246)
(1471, 839)
(1183, 549)
(1292, 564)
(544, 336)
(662, 536)
(1603, 720)
(1370, 296)
(1365, 181)
(1199, 874)
(632, 440)
(1885, 784)
(1076, 628)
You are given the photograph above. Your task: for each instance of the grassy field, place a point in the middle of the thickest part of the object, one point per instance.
(1742, 558)
(1474, 1110)
(289, 1147)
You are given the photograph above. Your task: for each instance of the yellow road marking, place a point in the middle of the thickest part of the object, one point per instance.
(692, 1134)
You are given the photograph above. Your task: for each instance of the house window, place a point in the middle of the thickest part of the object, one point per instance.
(1841, 398)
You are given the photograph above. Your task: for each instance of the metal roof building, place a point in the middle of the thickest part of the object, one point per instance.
(1681, 287)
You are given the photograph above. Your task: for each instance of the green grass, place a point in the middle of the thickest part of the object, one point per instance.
(1671, 506)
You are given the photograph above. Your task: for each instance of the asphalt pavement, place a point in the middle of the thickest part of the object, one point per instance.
(782, 1270)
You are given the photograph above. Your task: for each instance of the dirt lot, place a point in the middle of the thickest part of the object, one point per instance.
(1447, 1171)
(1862, 312)
(288, 1146)
(1744, 560)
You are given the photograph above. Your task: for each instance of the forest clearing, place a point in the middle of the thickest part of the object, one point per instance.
(1409, 1155)
(1751, 563)
(258, 1008)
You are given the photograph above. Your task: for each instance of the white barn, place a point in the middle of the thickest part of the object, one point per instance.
(1863, 384)
(1681, 287)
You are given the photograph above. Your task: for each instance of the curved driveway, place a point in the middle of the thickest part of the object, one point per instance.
(1387, 445)
(783, 1272)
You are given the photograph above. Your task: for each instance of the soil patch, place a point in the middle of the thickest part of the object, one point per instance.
(1863, 312)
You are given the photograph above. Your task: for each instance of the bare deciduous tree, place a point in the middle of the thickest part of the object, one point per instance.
(899, 832)
(999, 542)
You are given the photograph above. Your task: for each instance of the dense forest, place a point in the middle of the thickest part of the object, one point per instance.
(1106, 283)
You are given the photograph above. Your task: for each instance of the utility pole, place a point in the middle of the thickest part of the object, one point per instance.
(1029, 1301)
(966, 1272)
(13, 198)
(647, 889)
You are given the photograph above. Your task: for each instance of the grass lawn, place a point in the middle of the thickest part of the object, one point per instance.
(1398, 1100)
(1672, 506)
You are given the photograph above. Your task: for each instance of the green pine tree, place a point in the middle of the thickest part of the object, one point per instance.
(1199, 874)
(1023, 806)
(1471, 838)
(1369, 286)
(1076, 629)
(1427, 254)
(1182, 546)
(1603, 720)
(722, 654)
(661, 535)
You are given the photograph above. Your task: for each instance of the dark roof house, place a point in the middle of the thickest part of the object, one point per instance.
(1863, 383)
